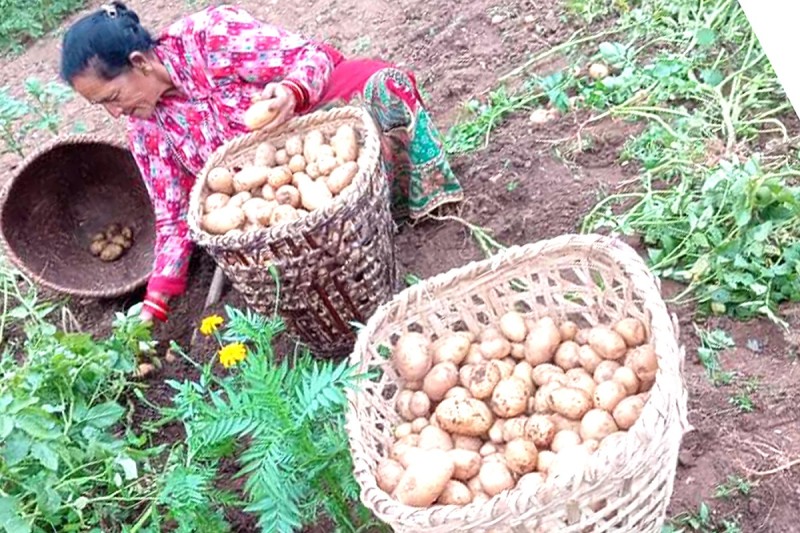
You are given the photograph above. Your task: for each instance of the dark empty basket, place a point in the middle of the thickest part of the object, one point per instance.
(58, 198)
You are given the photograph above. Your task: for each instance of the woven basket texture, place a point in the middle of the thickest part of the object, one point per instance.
(333, 266)
(590, 279)
(62, 194)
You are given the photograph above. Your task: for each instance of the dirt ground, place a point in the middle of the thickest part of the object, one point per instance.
(523, 192)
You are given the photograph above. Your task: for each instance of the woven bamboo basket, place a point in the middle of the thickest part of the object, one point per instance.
(335, 265)
(62, 194)
(588, 279)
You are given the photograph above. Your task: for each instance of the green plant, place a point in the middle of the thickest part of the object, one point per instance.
(711, 344)
(39, 110)
(735, 485)
(701, 521)
(743, 398)
(63, 465)
(24, 20)
(282, 420)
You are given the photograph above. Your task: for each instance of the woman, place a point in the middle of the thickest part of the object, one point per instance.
(185, 94)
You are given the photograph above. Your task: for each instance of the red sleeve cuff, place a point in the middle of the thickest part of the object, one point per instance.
(167, 285)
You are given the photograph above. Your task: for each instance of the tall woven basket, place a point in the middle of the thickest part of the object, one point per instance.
(587, 279)
(334, 265)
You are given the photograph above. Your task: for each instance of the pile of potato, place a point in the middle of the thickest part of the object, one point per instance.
(520, 402)
(111, 244)
(281, 185)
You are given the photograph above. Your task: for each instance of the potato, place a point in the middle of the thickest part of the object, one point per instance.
(425, 479)
(531, 482)
(281, 157)
(514, 428)
(643, 362)
(259, 115)
(420, 405)
(543, 373)
(97, 247)
(403, 405)
(312, 170)
(388, 474)
(518, 351)
(220, 179)
(239, 199)
(469, 416)
(403, 430)
(223, 220)
(598, 424)
(542, 401)
(546, 459)
(283, 214)
(326, 164)
(521, 456)
(345, 143)
(465, 376)
(479, 498)
(632, 331)
(626, 377)
(294, 145)
(608, 394)
(607, 343)
(458, 392)
(472, 444)
(311, 143)
(570, 402)
(214, 201)
(505, 366)
(288, 195)
(542, 341)
(488, 449)
(452, 347)
(439, 380)
(568, 330)
(496, 431)
(568, 355)
(591, 445)
(258, 211)
(495, 477)
(314, 194)
(340, 177)
(484, 379)
(474, 356)
(111, 252)
(496, 348)
(279, 176)
(265, 155)
(268, 192)
(562, 422)
(588, 358)
(455, 493)
(250, 177)
(569, 464)
(582, 337)
(418, 424)
(297, 163)
(605, 371)
(433, 438)
(580, 379)
(627, 412)
(512, 325)
(467, 463)
(524, 371)
(564, 439)
(510, 397)
(411, 356)
(539, 429)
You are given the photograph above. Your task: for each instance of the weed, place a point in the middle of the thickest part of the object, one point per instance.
(743, 398)
(734, 486)
(711, 344)
(701, 521)
(38, 111)
(24, 20)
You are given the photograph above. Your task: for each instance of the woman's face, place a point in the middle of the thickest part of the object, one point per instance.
(133, 93)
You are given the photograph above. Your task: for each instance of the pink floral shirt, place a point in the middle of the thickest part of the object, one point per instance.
(218, 58)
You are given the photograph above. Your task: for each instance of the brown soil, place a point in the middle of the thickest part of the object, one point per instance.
(522, 189)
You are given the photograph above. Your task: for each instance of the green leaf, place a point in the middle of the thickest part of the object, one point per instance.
(16, 448)
(10, 517)
(706, 37)
(6, 426)
(46, 455)
(37, 426)
(712, 77)
(104, 415)
(129, 467)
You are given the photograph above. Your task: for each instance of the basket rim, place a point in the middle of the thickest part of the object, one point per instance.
(8, 251)
(624, 255)
(369, 156)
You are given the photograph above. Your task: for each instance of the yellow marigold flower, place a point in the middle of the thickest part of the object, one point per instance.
(232, 353)
(210, 324)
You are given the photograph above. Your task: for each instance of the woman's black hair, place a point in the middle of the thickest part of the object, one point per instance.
(104, 40)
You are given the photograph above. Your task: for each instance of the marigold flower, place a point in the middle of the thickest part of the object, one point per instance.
(231, 354)
(210, 324)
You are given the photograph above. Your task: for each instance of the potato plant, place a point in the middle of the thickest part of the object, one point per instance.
(522, 402)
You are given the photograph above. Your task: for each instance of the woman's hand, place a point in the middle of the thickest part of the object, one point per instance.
(282, 101)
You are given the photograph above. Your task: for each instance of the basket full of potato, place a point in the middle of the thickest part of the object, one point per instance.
(299, 220)
(540, 390)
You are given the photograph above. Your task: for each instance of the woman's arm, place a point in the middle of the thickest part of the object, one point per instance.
(169, 186)
(239, 47)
